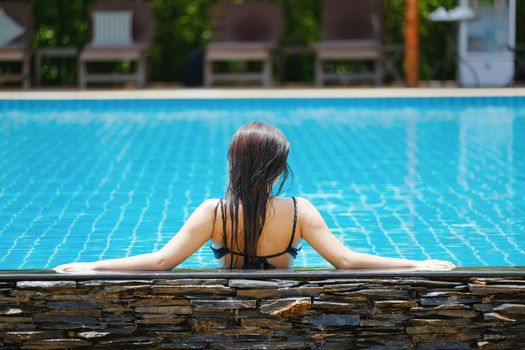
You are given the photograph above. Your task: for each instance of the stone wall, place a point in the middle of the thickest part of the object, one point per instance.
(258, 311)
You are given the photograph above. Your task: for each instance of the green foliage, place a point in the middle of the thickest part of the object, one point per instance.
(59, 23)
(182, 26)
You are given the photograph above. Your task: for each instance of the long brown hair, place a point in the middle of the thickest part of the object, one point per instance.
(257, 157)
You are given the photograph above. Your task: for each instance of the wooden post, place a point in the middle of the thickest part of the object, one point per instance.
(411, 43)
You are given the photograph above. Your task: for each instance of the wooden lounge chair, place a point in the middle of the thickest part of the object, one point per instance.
(243, 32)
(142, 21)
(351, 31)
(20, 49)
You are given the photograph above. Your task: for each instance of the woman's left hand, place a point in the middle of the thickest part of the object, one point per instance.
(76, 267)
(434, 265)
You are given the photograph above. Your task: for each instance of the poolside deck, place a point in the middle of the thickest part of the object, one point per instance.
(246, 93)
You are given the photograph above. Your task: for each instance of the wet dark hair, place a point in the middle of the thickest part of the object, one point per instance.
(257, 157)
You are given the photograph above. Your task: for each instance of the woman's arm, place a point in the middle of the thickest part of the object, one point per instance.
(195, 232)
(317, 234)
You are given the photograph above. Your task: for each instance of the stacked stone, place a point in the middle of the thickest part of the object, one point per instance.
(437, 312)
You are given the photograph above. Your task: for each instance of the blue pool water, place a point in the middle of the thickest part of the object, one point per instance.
(438, 178)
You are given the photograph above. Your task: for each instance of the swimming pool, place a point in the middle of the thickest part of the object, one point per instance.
(418, 178)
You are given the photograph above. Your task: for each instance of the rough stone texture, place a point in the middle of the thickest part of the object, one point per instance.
(437, 312)
(221, 305)
(243, 283)
(287, 306)
(45, 285)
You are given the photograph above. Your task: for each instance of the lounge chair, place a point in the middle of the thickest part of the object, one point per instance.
(136, 50)
(243, 32)
(352, 30)
(18, 50)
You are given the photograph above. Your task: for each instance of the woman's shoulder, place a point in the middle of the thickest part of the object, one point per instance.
(303, 201)
(288, 199)
(306, 209)
(210, 203)
(303, 204)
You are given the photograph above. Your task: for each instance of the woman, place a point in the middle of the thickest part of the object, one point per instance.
(252, 227)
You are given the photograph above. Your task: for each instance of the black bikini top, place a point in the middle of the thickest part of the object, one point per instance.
(263, 260)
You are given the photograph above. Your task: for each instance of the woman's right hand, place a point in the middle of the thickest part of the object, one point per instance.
(76, 267)
(434, 265)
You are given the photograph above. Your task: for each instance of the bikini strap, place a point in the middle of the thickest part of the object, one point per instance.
(294, 222)
(219, 252)
(223, 215)
(294, 251)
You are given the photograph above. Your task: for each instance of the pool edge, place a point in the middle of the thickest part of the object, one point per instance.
(277, 93)
(49, 274)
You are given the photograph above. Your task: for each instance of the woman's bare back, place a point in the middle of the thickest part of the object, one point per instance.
(275, 237)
